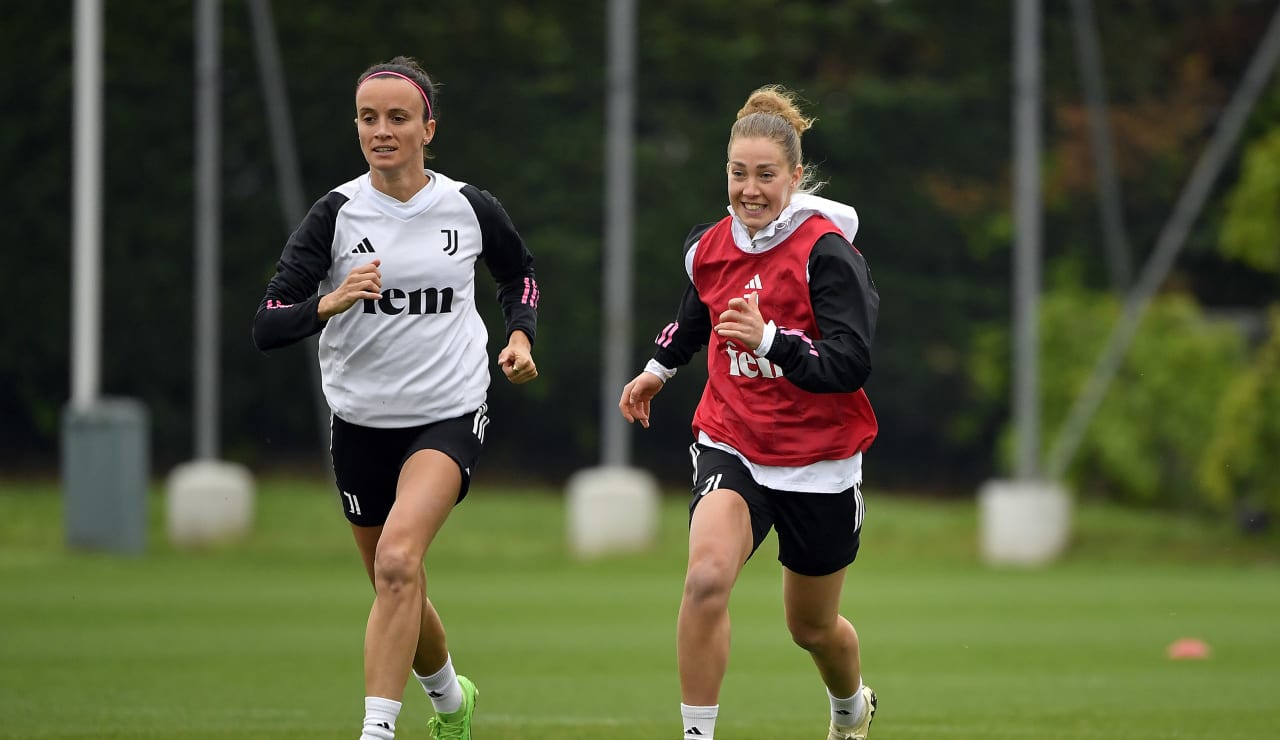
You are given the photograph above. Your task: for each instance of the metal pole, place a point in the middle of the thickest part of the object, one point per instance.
(288, 172)
(104, 462)
(1027, 232)
(619, 236)
(208, 232)
(86, 274)
(1170, 242)
(1089, 60)
(276, 99)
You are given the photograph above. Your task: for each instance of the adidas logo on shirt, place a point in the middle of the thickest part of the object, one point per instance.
(753, 284)
(364, 247)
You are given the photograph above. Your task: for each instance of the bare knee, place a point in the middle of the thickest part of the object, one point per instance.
(708, 582)
(396, 571)
(817, 637)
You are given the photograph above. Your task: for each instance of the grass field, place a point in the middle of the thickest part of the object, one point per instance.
(263, 640)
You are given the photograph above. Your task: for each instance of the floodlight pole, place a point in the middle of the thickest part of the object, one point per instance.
(208, 499)
(619, 236)
(1027, 80)
(208, 228)
(86, 224)
(104, 461)
(614, 506)
(1025, 520)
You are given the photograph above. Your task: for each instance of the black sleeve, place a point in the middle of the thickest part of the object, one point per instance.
(845, 306)
(680, 340)
(509, 262)
(289, 311)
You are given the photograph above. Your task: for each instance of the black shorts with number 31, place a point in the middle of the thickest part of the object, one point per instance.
(818, 533)
(367, 460)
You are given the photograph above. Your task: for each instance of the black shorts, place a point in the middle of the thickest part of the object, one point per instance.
(367, 460)
(818, 533)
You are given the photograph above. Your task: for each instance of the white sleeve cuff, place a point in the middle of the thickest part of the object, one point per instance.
(766, 341)
(663, 372)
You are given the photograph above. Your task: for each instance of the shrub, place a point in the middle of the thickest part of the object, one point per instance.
(1241, 464)
(1146, 441)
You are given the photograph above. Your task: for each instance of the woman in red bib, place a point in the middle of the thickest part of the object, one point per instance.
(787, 309)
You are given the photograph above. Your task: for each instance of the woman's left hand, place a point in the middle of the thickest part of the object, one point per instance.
(743, 321)
(516, 359)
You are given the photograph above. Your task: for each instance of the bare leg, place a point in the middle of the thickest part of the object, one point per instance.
(432, 651)
(813, 616)
(719, 543)
(403, 626)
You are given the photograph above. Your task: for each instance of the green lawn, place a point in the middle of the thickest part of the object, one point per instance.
(263, 639)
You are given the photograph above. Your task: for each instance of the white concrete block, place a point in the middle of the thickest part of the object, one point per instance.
(1023, 522)
(208, 502)
(611, 509)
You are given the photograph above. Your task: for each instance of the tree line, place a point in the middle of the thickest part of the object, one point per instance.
(913, 101)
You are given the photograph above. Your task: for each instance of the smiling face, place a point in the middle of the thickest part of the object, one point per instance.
(389, 122)
(760, 181)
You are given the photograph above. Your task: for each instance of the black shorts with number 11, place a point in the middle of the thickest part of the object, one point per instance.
(367, 460)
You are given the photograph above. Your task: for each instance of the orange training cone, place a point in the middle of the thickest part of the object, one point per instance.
(1188, 648)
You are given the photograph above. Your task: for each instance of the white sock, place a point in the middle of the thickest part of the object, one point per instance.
(442, 688)
(699, 722)
(847, 712)
(380, 718)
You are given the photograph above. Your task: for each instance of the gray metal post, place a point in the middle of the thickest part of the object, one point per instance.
(105, 461)
(288, 171)
(1089, 60)
(208, 227)
(1027, 230)
(276, 100)
(619, 235)
(86, 226)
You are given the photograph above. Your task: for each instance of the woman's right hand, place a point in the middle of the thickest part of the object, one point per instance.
(361, 283)
(636, 396)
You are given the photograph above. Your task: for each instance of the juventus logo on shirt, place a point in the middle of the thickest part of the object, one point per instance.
(450, 241)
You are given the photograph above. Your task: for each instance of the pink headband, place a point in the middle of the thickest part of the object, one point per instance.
(406, 78)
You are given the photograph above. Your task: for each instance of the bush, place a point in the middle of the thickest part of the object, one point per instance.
(1240, 469)
(1251, 226)
(1146, 441)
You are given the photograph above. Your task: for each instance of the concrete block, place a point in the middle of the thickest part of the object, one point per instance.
(208, 502)
(1023, 522)
(105, 475)
(611, 509)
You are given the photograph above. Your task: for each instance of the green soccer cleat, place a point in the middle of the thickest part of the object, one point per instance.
(860, 730)
(456, 725)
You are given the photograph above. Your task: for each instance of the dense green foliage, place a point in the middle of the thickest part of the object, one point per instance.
(1147, 441)
(263, 640)
(1251, 229)
(1240, 468)
(913, 106)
